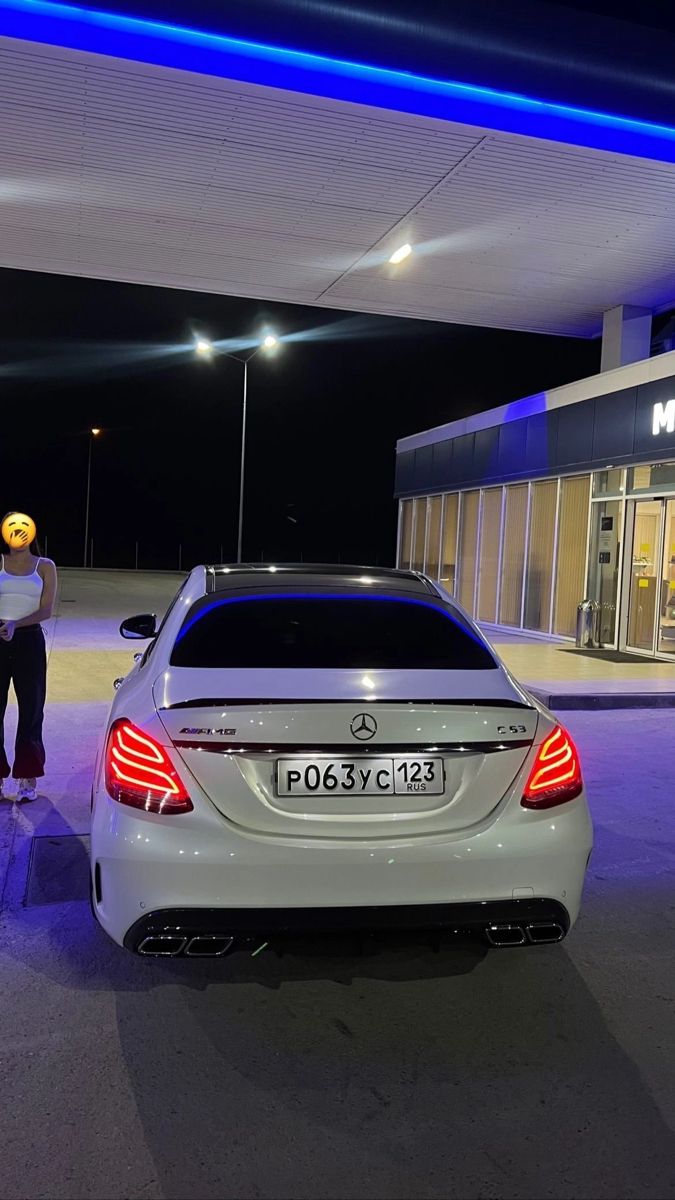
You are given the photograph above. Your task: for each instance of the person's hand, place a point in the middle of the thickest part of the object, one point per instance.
(7, 630)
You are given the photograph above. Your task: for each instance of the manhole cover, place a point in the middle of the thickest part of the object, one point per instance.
(58, 869)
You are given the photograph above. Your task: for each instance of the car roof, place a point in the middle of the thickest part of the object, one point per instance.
(231, 577)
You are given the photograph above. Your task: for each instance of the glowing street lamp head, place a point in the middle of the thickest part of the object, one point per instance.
(95, 432)
(270, 342)
(401, 253)
(203, 347)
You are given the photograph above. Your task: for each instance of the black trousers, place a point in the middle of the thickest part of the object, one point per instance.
(23, 662)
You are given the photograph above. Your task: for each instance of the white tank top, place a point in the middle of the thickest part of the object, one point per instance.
(20, 595)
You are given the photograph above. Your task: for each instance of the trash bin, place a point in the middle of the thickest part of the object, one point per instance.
(588, 624)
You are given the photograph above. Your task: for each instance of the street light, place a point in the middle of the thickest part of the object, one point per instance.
(206, 349)
(93, 433)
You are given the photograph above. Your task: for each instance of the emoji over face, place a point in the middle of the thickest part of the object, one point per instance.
(18, 531)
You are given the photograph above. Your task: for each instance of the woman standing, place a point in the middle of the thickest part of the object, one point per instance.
(27, 594)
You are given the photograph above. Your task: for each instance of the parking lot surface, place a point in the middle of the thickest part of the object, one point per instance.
(396, 1069)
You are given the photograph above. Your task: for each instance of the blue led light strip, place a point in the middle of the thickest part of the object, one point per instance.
(317, 597)
(186, 49)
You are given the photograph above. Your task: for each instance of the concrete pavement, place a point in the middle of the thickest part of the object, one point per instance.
(563, 676)
(327, 1073)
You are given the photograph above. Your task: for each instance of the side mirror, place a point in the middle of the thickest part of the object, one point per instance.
(143, 626)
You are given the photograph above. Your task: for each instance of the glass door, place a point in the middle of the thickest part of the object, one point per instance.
(665, 634)
(651, 597)
(604, 564)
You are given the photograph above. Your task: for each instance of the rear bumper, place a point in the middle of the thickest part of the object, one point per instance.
(171, 931)
(144, 865)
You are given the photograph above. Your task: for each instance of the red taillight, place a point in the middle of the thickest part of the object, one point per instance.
(556, 774)
(139, 772)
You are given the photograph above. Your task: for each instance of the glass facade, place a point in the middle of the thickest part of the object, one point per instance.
(524, 555)
(468, 556)
(657, 477)
(603, 566)
(571, 557)
(419, 534)
(609, 483)
(490, 542)
(651, 590)
(432, 558)
(405, 531)
(449, 542)
(540, 554)
(512, 555)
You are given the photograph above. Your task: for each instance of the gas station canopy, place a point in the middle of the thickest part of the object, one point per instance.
(148, 152)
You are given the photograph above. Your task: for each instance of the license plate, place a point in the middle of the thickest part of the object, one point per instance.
(359, 776)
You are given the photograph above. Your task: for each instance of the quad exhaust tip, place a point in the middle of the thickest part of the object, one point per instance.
(538, 933)
(544, 931)
(171, 945)
(162, 945)
(505, 935)
(209, 945)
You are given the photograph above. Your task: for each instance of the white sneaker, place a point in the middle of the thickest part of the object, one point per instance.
(27, 790)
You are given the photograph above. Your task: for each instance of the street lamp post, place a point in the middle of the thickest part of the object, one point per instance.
(242, 469)
(205, 349)
(92, 434)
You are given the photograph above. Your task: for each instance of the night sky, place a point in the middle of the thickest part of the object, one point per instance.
(324, 416)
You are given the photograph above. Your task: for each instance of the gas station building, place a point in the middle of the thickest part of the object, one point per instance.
(524, 511)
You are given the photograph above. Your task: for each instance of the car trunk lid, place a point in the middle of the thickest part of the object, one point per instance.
(341, 754)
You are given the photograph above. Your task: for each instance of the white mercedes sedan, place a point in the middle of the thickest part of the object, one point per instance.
(319, 748)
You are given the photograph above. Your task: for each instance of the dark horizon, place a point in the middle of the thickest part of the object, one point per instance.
(324, 416)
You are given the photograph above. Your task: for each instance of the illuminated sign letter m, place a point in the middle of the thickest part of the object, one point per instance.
(664, 418)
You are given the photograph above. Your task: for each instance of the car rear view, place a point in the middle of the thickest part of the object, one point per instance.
(321, 749)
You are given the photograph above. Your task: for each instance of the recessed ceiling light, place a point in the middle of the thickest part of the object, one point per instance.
(401, 253)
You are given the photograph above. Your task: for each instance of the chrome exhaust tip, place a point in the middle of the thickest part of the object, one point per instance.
(545, 931)
(162, 945)
(209, 945)
(505, 935)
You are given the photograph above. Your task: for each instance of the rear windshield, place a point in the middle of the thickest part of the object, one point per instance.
(328, 631)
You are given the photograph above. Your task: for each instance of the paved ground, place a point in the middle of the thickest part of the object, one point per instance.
(555, 666)
(547, 1072)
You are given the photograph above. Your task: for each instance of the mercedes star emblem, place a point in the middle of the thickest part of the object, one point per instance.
(363, 727)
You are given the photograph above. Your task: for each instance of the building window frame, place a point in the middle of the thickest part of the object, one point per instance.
(477, 567)
(589, 530)
(455, 590)
(440, 496)
(479, 558)
(656, 489)
(526, 555)
(500, 554)
(554, 557)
